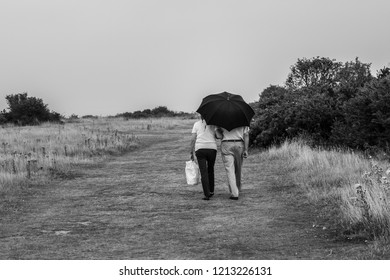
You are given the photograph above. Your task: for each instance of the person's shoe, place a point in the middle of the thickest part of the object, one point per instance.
(211, 194)
(206, 198)
(233, 197)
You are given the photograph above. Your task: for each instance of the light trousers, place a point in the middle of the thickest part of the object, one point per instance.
(232, 157)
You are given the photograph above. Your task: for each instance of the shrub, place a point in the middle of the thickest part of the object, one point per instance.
(366, 204)
(366, 117)
(3, 118)
(158, 112)
(24, 110)
(330, 102)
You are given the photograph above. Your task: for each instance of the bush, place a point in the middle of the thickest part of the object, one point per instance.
(366, 117)
(3, 118)
(157, 112)
(330, 102)
(89, 117)
(24, 110)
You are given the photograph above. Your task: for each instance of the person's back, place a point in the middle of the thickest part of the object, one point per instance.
(234, 134)
(205, 135)
(204, 144)
(234, 147)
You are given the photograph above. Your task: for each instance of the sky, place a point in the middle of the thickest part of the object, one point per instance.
(104, 57)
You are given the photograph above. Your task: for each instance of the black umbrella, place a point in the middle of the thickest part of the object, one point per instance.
(226, 110)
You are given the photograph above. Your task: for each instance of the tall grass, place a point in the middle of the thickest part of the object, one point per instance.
(31, 152)
(352, 190)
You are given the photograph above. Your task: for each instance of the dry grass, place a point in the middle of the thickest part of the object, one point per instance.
(138, 206)
(353, 191)
(31, 152)
(367, 202)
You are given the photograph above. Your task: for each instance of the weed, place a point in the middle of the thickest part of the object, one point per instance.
(28, 152)
(356, 188)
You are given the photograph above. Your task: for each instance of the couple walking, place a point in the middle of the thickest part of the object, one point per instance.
(227, 117)
(234, 148)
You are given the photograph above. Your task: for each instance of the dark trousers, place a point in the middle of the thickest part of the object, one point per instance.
(206, 161)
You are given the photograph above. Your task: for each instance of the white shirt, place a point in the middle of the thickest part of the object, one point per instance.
(205, 136)
(235, 134)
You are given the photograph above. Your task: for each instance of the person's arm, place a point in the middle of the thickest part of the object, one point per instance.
(218, 133)
(192, 145)
(246, 144)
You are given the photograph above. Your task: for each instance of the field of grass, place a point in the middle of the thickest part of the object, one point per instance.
(38, 152)
(351, 191)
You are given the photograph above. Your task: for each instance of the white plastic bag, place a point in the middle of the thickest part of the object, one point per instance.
(192, 172)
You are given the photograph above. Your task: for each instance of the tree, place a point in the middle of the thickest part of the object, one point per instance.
(161, 111)
(3, 117)
(315, 72)
(312, 103)
(366, 117)
(24, 110)
(158, 112)
(139, 115)
(283, 113)
(382, 73)
(270, 112)
(351, 77)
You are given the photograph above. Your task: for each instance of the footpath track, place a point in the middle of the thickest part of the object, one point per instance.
(138, 206)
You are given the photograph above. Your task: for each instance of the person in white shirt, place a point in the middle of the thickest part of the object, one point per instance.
(234, 148)
(204, 146)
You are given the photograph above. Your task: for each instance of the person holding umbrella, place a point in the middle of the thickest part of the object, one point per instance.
(234, 148)
(232, 116)
(204, 146)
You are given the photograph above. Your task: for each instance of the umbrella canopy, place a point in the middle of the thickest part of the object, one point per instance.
(226, 110)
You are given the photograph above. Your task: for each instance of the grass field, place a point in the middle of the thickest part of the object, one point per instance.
(113, 178)
(38, 152)
(351, 191)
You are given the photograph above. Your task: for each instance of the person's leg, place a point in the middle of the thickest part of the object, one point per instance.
(202, 162)
(228, 160)
(238, 160)
(212, 154)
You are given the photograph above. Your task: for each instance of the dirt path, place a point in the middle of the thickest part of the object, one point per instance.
(138, 206)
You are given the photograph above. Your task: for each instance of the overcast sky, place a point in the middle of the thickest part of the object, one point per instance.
(104, 57)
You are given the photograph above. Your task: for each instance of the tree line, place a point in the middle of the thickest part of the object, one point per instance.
(158, 112)
(329, 103)
(322, 100)
(29, 110)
